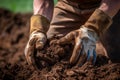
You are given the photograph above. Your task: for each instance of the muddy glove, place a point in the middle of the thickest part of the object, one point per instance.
(37, 39)
(85, 38)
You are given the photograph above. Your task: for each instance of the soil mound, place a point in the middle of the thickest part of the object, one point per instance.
(13, 66)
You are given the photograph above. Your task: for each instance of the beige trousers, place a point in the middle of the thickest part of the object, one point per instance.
(68, 17)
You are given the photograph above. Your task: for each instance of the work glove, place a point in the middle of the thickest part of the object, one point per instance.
(37, 39)
(36, 42)
(85, 44)
(86, 37)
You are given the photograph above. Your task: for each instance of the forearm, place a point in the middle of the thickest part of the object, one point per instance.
(44, 8)
(39, 24)
(43, 11)
(110, 7)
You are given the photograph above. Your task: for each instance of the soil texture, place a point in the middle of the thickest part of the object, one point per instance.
(14, 32)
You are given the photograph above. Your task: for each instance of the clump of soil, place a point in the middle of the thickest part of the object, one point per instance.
(13, 66)
(53, 53)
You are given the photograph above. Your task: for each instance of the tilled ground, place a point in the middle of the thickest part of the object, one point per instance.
(13, 66)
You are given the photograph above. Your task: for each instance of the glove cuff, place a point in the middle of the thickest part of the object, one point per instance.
(99, 22)
(39, 23)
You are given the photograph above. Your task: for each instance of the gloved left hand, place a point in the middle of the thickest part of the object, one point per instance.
(85, 45)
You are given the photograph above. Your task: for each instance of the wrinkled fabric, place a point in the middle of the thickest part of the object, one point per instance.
(66, 18)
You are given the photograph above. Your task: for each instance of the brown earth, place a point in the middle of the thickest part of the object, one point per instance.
(13, 66)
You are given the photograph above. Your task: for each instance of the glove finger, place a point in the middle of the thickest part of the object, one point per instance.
(32, 42)
(40, 43)
(66, 39)
(30, 51)
(76, 52)
(82, 58)
(91, 57)
(94, 56)
(29, 54)
(31, 57)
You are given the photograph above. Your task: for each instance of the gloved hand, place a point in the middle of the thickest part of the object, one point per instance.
(85, 38)
(85, 44)
(36, 42)
(37, 39)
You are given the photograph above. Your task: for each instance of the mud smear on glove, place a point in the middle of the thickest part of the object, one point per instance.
(13, 66)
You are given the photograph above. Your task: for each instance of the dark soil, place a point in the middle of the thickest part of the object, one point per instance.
(14, 31)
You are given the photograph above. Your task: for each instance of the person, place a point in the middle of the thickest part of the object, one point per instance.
(83, 21)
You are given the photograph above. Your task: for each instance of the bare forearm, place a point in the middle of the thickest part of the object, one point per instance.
(110, 7)
(44, 8)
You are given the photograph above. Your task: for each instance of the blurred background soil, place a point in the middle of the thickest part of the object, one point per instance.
(14, 32)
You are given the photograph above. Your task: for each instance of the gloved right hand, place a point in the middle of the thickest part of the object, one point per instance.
(38, 28)
(36, 42)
